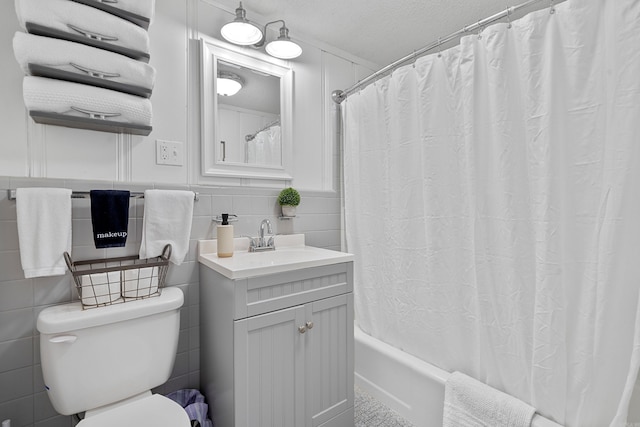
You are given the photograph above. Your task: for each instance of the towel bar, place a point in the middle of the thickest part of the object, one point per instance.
(11, 195)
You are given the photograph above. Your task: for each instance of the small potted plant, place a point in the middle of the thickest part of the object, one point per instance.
(289, 198)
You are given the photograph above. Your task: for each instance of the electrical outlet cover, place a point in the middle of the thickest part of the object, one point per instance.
(169, 153)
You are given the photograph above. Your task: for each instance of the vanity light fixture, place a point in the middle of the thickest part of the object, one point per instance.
(282, 47)
(228, 84)
(243, 32)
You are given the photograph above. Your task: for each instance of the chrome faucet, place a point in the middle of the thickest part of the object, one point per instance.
(260, 244)
(269, 230)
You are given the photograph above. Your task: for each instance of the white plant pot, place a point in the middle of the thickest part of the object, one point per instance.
(288, 210)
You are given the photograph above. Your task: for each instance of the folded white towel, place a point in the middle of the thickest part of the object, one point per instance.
(470, 403)
(140, 282)
(64, 15)
(81, 59)
(101, 288)
(143, 8)
(44, 230)
(167, 220)
(74, 99)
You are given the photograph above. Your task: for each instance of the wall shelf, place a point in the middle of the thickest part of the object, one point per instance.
(47, 118)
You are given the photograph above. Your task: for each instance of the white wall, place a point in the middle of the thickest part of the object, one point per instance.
(28, 149)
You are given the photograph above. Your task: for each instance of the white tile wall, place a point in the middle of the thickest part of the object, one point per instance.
(22, 396)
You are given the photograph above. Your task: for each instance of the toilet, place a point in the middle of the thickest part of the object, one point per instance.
(106, 360)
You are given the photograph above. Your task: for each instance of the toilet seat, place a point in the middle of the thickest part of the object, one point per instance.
(153, 411)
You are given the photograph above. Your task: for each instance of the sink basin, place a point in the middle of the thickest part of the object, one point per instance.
(291, 253)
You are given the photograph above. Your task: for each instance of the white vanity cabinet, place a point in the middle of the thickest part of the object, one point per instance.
(277, 349)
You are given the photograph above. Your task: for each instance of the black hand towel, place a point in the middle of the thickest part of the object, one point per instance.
(110, 217)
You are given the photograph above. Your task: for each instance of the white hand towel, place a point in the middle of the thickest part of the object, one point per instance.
(101, 288)
(62, 14)
(69, 56)
(167, 220)
(44, 230)
(470, 403)
(57, 96)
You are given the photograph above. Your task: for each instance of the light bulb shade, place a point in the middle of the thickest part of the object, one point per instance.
(241, 31)
(283, 49)
(228, 84)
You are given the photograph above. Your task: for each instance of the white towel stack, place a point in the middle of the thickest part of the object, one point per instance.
(72, 57)
(44, 230)
(94, 35)
(167, 220)
(470, 403)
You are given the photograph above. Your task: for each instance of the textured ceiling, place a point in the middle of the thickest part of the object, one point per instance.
(380, 31)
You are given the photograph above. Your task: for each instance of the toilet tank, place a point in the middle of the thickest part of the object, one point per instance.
(91, 358)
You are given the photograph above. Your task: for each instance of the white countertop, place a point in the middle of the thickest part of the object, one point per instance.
(291, 253)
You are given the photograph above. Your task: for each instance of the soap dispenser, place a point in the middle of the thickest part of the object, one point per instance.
(225, 238)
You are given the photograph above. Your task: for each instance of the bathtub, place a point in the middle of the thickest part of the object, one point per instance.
(411, 387)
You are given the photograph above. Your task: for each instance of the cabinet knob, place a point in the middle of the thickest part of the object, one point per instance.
(309, 325)
(302, 329)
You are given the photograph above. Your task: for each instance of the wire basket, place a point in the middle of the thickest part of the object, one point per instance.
(108, 281)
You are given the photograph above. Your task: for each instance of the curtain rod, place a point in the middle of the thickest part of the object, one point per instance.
(340, 95)
(251, 137)
(11, 194)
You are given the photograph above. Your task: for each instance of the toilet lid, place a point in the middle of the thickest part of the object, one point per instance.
(152, 411)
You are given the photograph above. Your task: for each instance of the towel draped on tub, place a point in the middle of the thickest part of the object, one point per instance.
(471, 403)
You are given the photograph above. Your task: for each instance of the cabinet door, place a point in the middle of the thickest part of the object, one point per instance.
(329, 360)
(269, 369)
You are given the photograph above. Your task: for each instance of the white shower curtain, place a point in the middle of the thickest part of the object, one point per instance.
(492, 201)
(265, 147)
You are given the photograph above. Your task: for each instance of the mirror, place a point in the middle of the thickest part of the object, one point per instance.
(248, 120)
(247, 134)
